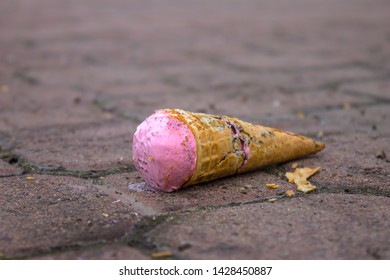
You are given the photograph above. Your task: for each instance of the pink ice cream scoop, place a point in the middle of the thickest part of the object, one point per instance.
(164, 151)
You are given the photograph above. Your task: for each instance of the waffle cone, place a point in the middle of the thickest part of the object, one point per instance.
(227, 146)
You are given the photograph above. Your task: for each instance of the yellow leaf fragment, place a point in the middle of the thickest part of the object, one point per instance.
(290, 193)
(300, 116)
(299, 177)
(272, 186)
(294, 165)
(30, 178)
(303, 185)
(305, 173)
(161, 255)
(4, 88)
(346, 105)
(291, 176)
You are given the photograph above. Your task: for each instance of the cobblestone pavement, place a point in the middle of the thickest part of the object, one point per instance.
(77, 77)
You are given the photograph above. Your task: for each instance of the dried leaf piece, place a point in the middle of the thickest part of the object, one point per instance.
(291, 176)
(305, 173)
(290, 193)
(346, 105)
(121, 160)
(243, 190)
(294, 165)
(4, 88)
(30, 178)
(300, 116)
(304, 185)
(161, 255)
(272, 186)
(105, 215)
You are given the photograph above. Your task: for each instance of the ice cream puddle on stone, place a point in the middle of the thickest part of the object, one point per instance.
(174, 148)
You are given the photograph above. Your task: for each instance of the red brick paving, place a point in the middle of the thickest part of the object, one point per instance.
(76, 78)
(8, 169)
(41, 213)
(322, 226)
(82, 147)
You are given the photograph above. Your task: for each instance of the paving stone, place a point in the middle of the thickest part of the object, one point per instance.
(261, 108)
(29, 107)
(351, 163)
(47, 213)
(7, 169)
(369, 118)
(98, 252)
(278, 104)
(289, 78)
(323, 226)
(140, 101)
(377, 89)
(82, 147)
(248, 104)
(233, 190)
(356, 155)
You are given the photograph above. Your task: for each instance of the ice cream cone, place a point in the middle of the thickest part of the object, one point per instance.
(201, 147)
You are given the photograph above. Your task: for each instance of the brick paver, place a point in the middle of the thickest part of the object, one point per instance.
(81, 147)
(77, 77)
(41, 213)
(7, 169)
(321, 226)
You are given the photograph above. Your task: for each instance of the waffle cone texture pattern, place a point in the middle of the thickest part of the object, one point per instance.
(221, 146)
